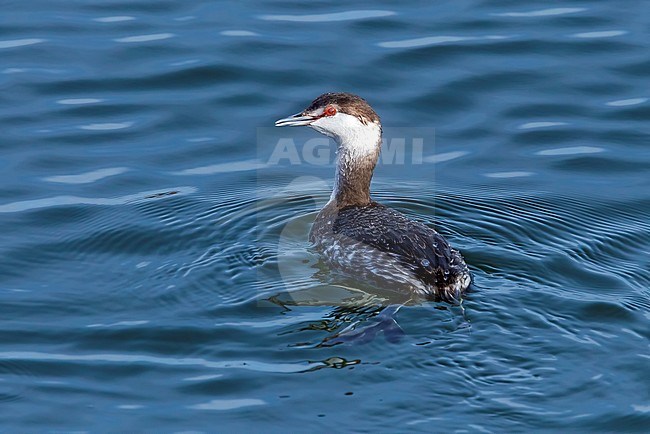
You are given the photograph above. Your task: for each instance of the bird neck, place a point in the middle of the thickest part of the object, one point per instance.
(357, 156)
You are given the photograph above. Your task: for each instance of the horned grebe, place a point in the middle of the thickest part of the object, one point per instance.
(362, 237)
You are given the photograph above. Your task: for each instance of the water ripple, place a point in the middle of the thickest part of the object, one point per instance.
(330, 17)
(235, 166)
(227, 404)
(541, 12)
(57, 201)
(105, 126)
(145, 38)
(114, 19)
(627, 102)
(508, 174)
(129, 323)
(169, 361)
(571, 150)
(437, 40)
(445, 156)
(238, 33)
(531, 125)
(20, 42)
(79, 101)
(600, 34)
(84, 178)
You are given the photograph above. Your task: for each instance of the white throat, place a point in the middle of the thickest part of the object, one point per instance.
(358, 147)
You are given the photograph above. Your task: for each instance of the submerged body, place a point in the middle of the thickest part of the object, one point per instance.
(361, 237)
(382, 246)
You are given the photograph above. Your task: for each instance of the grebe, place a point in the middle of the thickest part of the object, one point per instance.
(362, 237)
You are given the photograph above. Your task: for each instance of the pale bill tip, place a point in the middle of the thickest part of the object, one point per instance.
(296, 120)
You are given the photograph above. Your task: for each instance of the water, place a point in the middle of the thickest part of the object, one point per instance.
(156, 274)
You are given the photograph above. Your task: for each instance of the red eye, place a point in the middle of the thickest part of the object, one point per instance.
(329, 111)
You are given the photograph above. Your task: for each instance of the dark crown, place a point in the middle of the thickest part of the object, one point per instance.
(346, 103)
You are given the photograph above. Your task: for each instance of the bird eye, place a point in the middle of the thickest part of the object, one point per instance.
(329, 111)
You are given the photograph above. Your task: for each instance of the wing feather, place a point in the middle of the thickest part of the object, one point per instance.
(414, 244)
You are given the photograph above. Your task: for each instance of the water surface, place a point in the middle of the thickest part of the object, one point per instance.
(156, 273)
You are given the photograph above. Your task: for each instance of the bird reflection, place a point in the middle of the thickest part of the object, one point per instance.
(357, 316)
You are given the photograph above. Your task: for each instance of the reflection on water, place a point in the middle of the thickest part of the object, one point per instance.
(156, 272)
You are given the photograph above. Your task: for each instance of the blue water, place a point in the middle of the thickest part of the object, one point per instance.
(155, 271)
